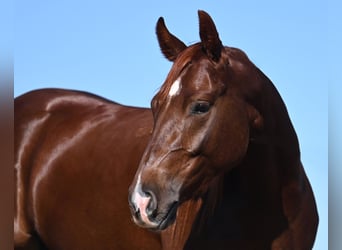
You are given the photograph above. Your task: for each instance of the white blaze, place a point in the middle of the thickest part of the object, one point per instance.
(174, 90)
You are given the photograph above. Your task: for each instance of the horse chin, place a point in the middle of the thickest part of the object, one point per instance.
(169, 218)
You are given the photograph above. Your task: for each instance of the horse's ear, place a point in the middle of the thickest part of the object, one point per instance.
(170, 45)
(209, 36)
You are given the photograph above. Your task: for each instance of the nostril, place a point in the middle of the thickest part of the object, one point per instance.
(151, 209)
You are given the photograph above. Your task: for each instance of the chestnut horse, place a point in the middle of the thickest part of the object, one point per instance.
(215, 163)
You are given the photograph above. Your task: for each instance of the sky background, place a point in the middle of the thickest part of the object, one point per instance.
(109, 48)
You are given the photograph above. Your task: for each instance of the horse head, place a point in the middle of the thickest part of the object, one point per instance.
(203, 121)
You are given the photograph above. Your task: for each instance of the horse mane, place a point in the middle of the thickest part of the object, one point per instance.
(278, 129)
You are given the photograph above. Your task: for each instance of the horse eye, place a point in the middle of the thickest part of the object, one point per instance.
(200, 108)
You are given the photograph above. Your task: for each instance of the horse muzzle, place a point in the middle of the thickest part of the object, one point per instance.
(150, 212)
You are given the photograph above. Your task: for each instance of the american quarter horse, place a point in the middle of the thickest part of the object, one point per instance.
(215, 163)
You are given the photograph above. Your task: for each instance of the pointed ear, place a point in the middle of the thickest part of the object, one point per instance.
(209, 37)
(170, 45)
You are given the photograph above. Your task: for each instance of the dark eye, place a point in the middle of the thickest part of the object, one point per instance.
(200, 107)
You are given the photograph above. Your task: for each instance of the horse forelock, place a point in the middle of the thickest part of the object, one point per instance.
(182, 61)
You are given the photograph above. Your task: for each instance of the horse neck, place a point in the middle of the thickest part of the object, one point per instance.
(277, 132)
(273, 155)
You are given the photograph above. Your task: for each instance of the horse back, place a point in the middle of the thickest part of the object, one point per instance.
(75, 155)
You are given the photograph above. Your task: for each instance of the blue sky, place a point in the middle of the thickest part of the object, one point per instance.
(110, 49)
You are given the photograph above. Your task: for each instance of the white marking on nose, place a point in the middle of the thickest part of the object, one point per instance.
(175, 87)
(141, 203)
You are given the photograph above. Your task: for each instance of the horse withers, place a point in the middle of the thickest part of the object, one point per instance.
(215, 163)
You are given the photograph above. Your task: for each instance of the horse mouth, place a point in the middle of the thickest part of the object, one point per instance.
(169, 217)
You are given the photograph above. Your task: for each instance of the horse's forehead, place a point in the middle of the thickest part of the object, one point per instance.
(193, 71)
(192, 81)
(201, 83)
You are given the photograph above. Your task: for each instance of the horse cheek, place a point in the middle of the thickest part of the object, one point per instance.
(228, 150)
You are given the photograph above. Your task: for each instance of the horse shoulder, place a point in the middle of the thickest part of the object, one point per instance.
(53, 125)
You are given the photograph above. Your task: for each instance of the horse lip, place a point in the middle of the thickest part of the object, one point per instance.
(169, 217)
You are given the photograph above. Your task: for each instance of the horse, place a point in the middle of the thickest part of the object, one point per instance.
(214, 164)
